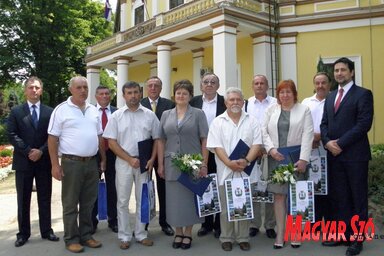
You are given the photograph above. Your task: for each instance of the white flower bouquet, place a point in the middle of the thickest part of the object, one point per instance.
(283, 174)
(188, 163)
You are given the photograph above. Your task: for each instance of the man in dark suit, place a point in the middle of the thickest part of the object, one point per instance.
(347, 118)
(27, 130)
(158, 105)
(213, 105)
(103, 98)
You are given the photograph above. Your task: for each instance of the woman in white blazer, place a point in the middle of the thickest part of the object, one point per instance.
(287, 123)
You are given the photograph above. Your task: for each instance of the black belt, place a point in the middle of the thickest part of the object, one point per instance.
(77, 158)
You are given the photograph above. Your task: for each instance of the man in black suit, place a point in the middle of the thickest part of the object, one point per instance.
(103, 98)
(27, 130)
(213, 105)
(158, 105)
(347, 118)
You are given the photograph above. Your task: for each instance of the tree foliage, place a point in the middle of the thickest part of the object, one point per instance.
(48, 39)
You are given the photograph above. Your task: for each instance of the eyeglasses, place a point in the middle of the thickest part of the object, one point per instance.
(209, 82)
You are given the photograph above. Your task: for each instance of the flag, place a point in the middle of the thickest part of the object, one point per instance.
(107, 11)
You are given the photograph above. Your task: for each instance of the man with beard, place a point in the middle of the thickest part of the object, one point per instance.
(225, 132)
(347, 118)
(127, 126)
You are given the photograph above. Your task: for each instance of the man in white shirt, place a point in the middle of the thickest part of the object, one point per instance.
(322, 84)
(224, 133)
(127, 126)
(257, 106)
(75, 133)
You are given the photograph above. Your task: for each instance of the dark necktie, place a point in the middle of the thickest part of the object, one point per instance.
(104, 120)
(35, 120)
(338, 101)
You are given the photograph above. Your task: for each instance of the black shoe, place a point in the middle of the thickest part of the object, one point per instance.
(253, 232)
(354, 249)
(114, 228)
(217, 233)
(332, 243)
(203, 231)
(175, 244)
(51, 237)
(167, 230)
(186, 246)
(295, 245)
(278, 246)
(20, 242)
(270, 233)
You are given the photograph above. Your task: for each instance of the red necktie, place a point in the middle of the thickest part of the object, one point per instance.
(337, 104)
(104, 120)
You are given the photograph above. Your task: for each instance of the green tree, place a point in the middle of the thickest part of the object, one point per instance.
(48, 39)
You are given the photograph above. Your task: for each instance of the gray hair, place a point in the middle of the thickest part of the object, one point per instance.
(233, 90)
(77, 79)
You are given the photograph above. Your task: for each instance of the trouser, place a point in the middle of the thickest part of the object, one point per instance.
(228, 233)
(78, 196)
(269, 216)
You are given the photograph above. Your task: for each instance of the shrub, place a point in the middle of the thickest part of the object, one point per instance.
(376, 174)
(5, 152)
(3, 135)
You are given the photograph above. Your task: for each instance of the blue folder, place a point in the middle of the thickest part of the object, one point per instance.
(240, 152)
(291, 154)
(197, 186)
(145, 153)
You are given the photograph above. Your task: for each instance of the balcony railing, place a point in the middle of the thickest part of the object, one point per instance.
(176, 15)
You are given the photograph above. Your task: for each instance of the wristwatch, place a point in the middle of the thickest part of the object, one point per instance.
(248, 162)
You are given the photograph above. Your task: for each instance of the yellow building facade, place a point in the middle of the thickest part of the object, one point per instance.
(237, 39)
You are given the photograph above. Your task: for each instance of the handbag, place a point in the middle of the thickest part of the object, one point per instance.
(102, 199)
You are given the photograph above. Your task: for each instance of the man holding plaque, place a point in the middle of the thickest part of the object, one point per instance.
(127, 126)
(224, 135)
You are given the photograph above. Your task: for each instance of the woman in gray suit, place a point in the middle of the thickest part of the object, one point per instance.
(183, 130)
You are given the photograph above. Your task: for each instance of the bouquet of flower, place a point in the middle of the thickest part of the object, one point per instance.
(188, 163)
(283, 174)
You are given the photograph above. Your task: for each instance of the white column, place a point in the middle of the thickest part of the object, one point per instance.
(164, 66)
(198, 57)
(93, 77)
(264, 62)
(122, 78)
(123, 16)
(153, 68)
(224, 54)
(288, 63)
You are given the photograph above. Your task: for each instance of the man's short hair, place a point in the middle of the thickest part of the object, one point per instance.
(233, 90)
(347, 62)
(130, 84)
(77, 78)
(31, 80)
(154, 77)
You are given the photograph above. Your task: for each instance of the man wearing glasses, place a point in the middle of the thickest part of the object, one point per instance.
(213, 105)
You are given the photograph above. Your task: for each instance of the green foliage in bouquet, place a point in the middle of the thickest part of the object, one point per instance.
(188, 163)
(283, 174)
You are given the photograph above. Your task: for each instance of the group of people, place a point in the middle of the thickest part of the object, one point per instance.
(94, 139)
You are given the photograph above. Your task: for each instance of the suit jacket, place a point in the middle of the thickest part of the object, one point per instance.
(162, 105)
(300, 129)
(181, 139)
(24, 136)
(197, 102)
(350, 124)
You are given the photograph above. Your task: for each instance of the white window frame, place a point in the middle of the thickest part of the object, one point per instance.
(135, 5)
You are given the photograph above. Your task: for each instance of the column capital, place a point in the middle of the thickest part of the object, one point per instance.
(201, 49)
(163, 43)
(151, 62)
(291, 34)
(262, 33)
(93, 67)
(225, 23)
(127, 58)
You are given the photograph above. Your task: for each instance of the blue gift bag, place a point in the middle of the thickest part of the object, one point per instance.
(148, 207)
(102, 201)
